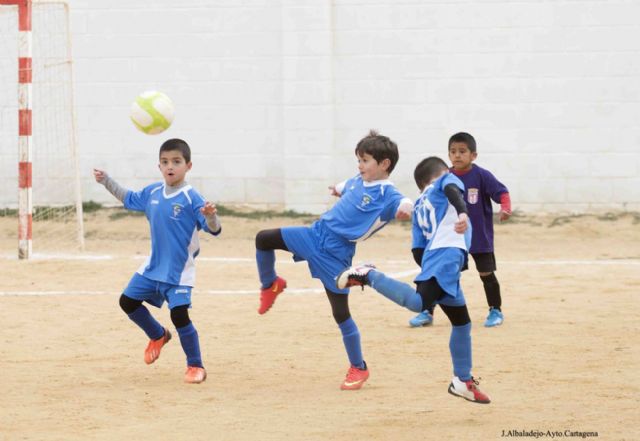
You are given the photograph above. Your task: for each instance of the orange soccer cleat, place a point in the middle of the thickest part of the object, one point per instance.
(268, 295)
(152, 352)
(355, 378)
(195, 375)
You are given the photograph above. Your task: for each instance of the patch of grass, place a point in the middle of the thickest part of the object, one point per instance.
(91, 206)
(517, 217)
(224, 211)
(119, 213)
(565, 219)
(46, 212)
(604, 217)
(262, 214)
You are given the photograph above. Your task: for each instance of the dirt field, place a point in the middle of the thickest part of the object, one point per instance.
(565, 360)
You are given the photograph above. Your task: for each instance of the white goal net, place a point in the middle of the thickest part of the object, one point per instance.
(56, 199)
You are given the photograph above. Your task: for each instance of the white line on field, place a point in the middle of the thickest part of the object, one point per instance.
(196, 291)
(398, 275)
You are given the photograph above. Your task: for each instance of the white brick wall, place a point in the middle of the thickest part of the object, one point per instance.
(274, 95)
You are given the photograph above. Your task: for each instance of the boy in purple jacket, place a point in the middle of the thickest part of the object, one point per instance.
(481, 187)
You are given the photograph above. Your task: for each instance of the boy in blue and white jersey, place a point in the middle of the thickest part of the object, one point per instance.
(367, 203)
(176, 212)
(441, 239)
(481, 188)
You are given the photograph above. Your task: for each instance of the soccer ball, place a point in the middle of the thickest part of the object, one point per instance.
(152, 112)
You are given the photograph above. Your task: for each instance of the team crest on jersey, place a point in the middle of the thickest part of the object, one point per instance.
(366, 200)
(472, 195)
(177, 209)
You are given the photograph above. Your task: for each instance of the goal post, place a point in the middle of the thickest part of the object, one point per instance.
(49, 201)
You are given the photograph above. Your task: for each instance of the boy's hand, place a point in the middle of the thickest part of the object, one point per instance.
(334, 192)
(462, 224)
(99, 175)
(209, 209)
(405, 210)
(504, 215)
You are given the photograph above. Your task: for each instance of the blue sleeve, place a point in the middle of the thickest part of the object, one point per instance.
(417, 237)
(392, 199)
(137, 200)
(492, 187)
(450, 178)
(347, 185)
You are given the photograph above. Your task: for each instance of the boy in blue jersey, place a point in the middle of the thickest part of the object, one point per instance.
(441, 237)
(481, 187)
(367, 203)
(176, 212)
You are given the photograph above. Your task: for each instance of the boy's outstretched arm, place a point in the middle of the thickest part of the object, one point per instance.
(405, 210)
(505, 206)
(111, 185)
(337, 189)
(210, 213)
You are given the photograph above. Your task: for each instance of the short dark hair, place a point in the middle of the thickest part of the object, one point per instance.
(380, 147)
(428, 169)
(464, 138)
(176, 144)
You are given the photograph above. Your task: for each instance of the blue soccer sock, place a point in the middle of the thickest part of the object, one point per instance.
(460, 347)
(397, 292)
(143, 318)
(190, 344)
(351, 339)
(266, 260)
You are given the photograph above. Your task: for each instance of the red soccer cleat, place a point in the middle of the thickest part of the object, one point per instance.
(152, 352)
(355, 378)
(195, 375)
(468, 390)
(268, 295)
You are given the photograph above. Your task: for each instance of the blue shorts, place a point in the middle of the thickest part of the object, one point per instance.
(155, 293)
(445, 264)
(326, 253)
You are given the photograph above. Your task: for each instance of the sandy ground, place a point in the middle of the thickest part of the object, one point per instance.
(565, 360)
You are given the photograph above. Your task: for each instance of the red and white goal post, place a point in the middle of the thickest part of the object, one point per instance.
(49, 203)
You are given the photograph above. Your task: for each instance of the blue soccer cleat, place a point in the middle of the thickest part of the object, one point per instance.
(495, 318)
(422, 319)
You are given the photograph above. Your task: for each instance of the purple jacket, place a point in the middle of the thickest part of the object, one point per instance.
(480, 188)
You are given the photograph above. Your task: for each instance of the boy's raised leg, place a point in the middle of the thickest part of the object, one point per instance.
(398, 292)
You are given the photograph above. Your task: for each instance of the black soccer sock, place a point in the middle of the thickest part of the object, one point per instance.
(492, 291)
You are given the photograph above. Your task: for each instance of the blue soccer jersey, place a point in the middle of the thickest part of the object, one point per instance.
(434, 218)
(363, 208)
(445, 252)
(174, 221)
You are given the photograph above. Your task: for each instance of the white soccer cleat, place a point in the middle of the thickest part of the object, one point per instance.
(354, 276)
(468, 390)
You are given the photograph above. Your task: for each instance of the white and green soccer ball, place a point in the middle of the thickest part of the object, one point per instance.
(152, 112)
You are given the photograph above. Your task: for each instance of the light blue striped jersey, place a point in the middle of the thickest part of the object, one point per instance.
(174, 221)
(363, 208)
